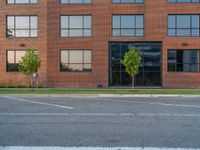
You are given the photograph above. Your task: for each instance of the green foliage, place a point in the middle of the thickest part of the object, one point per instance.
(132, 62)
(30, 62)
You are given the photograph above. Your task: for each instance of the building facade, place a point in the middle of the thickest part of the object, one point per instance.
(81, 42)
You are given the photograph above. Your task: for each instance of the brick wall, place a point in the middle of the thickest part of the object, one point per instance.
(40, 43)
(49, 43)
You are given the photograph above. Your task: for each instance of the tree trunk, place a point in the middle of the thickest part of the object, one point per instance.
(31, 77)
(133, 82)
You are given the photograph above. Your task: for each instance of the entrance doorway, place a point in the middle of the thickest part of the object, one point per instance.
(150, 70)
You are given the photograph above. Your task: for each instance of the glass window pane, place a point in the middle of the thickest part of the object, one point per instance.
(116, 32)
(87, 32)
(195, 32)
(64, 22)
(64, 33)
(87, 22)
(87, 67)
(64, 57)
(139, 21)
(21, 1)
(22, 33)
(19, 55)
(183, 21)
(183, 32)
(139, 32)
(76, 67)
(127, 22)
(10, 22)
(76, 32)
(33, 33)
(76, 57)
(10, 57)
(76, 22)
(87, 57)
(127, 32)
(171, 21)
(10, 33)
(116, 21)
(22, 22)
(33, 22)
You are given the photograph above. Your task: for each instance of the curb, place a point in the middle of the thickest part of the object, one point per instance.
(150, 95)
(111, 95)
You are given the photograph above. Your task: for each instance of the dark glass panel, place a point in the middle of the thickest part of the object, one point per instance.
(125, 79)
(152, 78)
(116, 78)
(151, 61)
(171, 67)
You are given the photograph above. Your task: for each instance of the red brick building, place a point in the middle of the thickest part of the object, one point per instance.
(81, 42)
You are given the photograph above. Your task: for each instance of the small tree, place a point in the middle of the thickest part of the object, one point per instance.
(30, 64)
(132, 60)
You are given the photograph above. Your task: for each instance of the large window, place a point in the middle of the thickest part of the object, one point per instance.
(183, 60)
(184, 1)
(21, 1)
(128, 1)
(75, 1)
(184, 25)
(128, 25)
(76, 61)
(13, 58)
(76, 26)
(150, 71)
(21, 26)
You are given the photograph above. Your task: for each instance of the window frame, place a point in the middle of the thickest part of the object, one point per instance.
(27, 29)
(176, 1)
(82, 50)
(81, 15)
(176, 63)
(134, 15)
(128, 2)
(175, 15)
(15, 64)
(14, 3)
(83, 3)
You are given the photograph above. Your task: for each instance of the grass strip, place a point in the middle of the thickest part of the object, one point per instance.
(67, 91)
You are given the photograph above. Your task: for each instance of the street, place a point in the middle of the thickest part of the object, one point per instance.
(80, 121)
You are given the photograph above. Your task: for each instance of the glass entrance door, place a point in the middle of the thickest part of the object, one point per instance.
(150, 70)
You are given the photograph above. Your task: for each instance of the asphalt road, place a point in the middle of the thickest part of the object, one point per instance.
(42, 120)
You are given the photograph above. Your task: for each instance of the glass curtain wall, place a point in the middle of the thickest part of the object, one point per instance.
(150, 70)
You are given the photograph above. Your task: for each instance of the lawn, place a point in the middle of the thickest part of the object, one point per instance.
(107, 91)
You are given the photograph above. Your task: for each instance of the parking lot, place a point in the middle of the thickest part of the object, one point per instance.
(89, 121)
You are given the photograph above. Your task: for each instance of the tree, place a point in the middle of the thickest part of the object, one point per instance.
(132, 62)
(30, 64)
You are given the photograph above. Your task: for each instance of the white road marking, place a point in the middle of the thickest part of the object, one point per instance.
(154, 103)
(40, 103)
(101, 114)
(91, 148)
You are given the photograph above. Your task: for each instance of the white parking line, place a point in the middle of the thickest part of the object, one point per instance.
(154, 103)
(101, 114)
(40, 103)
(92, 148)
